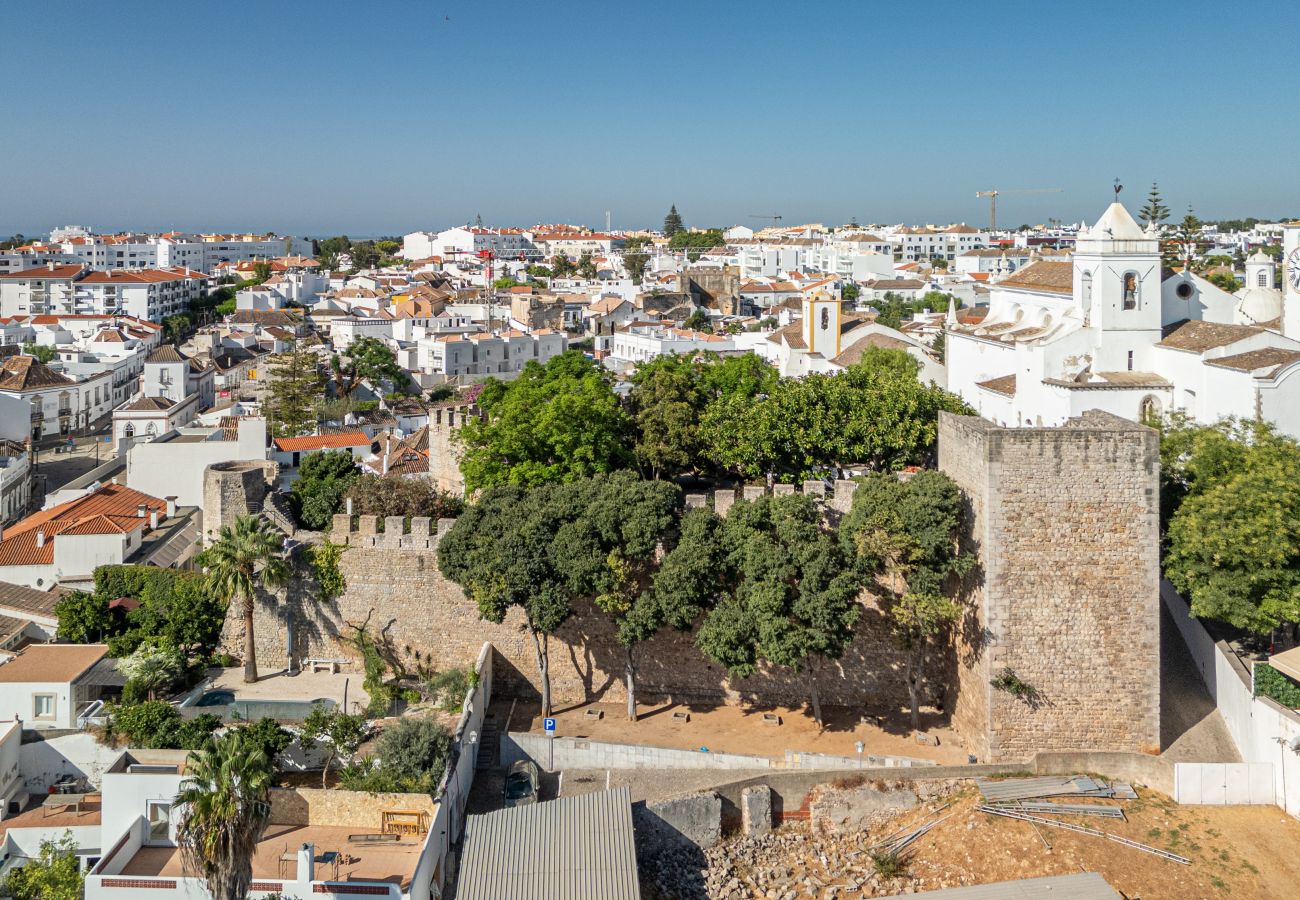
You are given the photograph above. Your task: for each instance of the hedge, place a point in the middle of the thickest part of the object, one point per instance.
(1269, 682)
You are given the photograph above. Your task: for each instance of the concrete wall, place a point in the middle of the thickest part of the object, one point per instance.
(1065, 521)
(42, 763)
(355, 809)
(1261, 728)
(693, 820)
(554, 754)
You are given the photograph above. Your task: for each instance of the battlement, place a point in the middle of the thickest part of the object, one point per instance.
(390, 532)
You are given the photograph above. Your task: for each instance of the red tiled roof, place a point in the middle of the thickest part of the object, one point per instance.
(113, 509)
(323, 441)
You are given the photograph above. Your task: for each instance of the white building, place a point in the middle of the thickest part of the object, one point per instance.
(451, 355)
(15, 479)
(926, 243)
(174, 464)
(58, 404)
(46, 685)
(641, 343)
(152, 294)
(1105, 332)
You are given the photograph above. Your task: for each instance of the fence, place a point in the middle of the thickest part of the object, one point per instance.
(431, 871)
(1224, 784)
(1263, 730)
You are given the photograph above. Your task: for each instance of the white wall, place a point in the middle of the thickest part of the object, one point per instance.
(16, 700)
(42, 763)
(1255, 724)
(176, 468)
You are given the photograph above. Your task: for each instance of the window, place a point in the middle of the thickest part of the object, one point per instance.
(1184, 291)
(159, 817)
(1130, 360)
(826, 318)
(43, 706)
(1262, 278)
(1130, 282)
(1086, 289)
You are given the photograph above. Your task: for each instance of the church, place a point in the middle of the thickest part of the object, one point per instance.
(1111, 330)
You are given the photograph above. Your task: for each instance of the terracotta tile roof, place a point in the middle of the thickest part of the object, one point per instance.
(792, 334)
(165, 354)
(59, 663)
(58, 273)
(1271, 358)
(1005, 385)
(115, 502)
(1043, 276)
(136, 276)
(30, 601)
(853, 355)
(24, 373)
(896, 284)
(323, 441)
(150, 404)
(1197, 336)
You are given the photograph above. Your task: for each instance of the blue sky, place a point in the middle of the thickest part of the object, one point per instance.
(329, 117)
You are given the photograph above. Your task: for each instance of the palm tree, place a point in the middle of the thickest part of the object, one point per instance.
(246, 556)
(225, 803)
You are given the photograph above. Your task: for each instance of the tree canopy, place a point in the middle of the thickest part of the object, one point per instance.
(323, 479)
(788, 596)
(1232, 511)
(876, 414)
(367, 359)
(555, 422)
(672, 222)
(295, 390)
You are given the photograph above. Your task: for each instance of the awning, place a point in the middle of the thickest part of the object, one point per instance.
(1287, 662)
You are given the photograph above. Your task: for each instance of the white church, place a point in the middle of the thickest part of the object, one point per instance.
(1110, 330)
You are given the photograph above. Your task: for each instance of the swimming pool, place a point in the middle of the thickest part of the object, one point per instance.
(224, 703)
(216, 698)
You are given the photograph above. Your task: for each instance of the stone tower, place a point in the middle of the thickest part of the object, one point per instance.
(1066, 524)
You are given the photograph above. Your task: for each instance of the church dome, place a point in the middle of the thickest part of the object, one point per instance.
(1259, 305)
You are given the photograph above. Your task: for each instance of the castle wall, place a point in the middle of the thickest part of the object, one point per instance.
(1067, 523)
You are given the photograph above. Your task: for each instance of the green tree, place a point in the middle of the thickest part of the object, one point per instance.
(1186, 241)
(635, 257)
(267, 735)
(698, 321)
(608, 553)
(323, 480)
(42, 353)
(696, 242)
(395, 495)
(246, 557)
(83, 617)
(500, 553)
(414, 753)
(295, 389)
(1233, 521)
(341, 734)
(554, 422)
(789, 597)
(876, 413)
(940, 345)
(152, 668)
(850, 293)
(562, 266)
(586, 265)
(906, 536)
(367, 359)
(672, 222)
(539, 271)
(55, 873)
(176, 326)
(225, 805)
(1155, 211)
(261, 272)
(1224, 281)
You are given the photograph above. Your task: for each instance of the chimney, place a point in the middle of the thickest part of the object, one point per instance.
(40, 537)
(348, 501)
(171, 505)
(51, 265)
(141, 510)
(153, 520)
(307, 862)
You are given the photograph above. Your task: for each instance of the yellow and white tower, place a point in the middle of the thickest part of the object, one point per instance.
(821, 324)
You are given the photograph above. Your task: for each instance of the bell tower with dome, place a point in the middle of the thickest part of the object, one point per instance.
(1291, 280)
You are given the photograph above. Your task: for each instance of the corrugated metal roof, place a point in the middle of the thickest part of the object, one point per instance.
(1083, 886)
(572, 848)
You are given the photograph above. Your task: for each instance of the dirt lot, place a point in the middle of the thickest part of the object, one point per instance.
(727, 729)
(1243, 852)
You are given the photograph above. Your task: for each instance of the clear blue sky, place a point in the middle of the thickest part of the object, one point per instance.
(329, 117)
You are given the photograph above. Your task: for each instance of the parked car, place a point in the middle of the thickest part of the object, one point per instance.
(522, 783)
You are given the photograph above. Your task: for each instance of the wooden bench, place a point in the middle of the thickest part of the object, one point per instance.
(404, 821)
(329, 665)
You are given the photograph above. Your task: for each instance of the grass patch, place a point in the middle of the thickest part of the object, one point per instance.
(1218, 882)
(1249, 867)
(1155, 833)
(888, 864)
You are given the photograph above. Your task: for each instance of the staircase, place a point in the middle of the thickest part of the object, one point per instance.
(489, 745)
(275, 510)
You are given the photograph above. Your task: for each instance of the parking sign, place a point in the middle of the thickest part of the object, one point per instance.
(548, 725)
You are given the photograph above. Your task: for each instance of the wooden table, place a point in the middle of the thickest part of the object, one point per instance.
(53, 801)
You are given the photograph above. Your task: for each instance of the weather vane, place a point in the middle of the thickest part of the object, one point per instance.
(1118, 187)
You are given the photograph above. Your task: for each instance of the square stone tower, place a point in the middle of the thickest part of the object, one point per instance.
(1065, 522)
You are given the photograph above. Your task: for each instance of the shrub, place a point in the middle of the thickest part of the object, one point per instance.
(1269, 682)
(193, 734)
(267, 734)
(325, 565)
(151, 724)
(447, 689)
(415, 752)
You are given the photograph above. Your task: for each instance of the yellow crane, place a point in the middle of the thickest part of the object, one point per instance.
(995, 193)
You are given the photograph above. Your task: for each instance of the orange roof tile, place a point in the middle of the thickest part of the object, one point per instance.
(323, 441)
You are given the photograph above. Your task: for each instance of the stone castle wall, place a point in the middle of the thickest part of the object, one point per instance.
(233, 489)
(1067, 524)
(393, 571)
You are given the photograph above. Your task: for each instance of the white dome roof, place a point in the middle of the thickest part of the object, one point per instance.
(1259, 305)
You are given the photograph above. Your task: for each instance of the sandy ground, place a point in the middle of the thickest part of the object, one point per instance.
(726, 729)
(1243, 852)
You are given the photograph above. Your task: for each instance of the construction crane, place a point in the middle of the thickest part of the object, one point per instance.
(776, 220)
(995, 193)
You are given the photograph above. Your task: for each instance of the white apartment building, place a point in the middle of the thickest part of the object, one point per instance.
(15, 480)
(923, 244)
(464, 242)
(573, 244)
(485, 353)
(641, 343)
(152, 294)
(59, 405)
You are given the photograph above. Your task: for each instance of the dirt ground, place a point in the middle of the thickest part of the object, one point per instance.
(1243, 852)
(726, 729)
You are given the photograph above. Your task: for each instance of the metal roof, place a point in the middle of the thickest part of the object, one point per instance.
(1082, 886)
(572, 848)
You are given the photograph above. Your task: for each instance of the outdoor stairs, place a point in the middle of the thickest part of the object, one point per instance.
(277, 511)
(489, 746)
